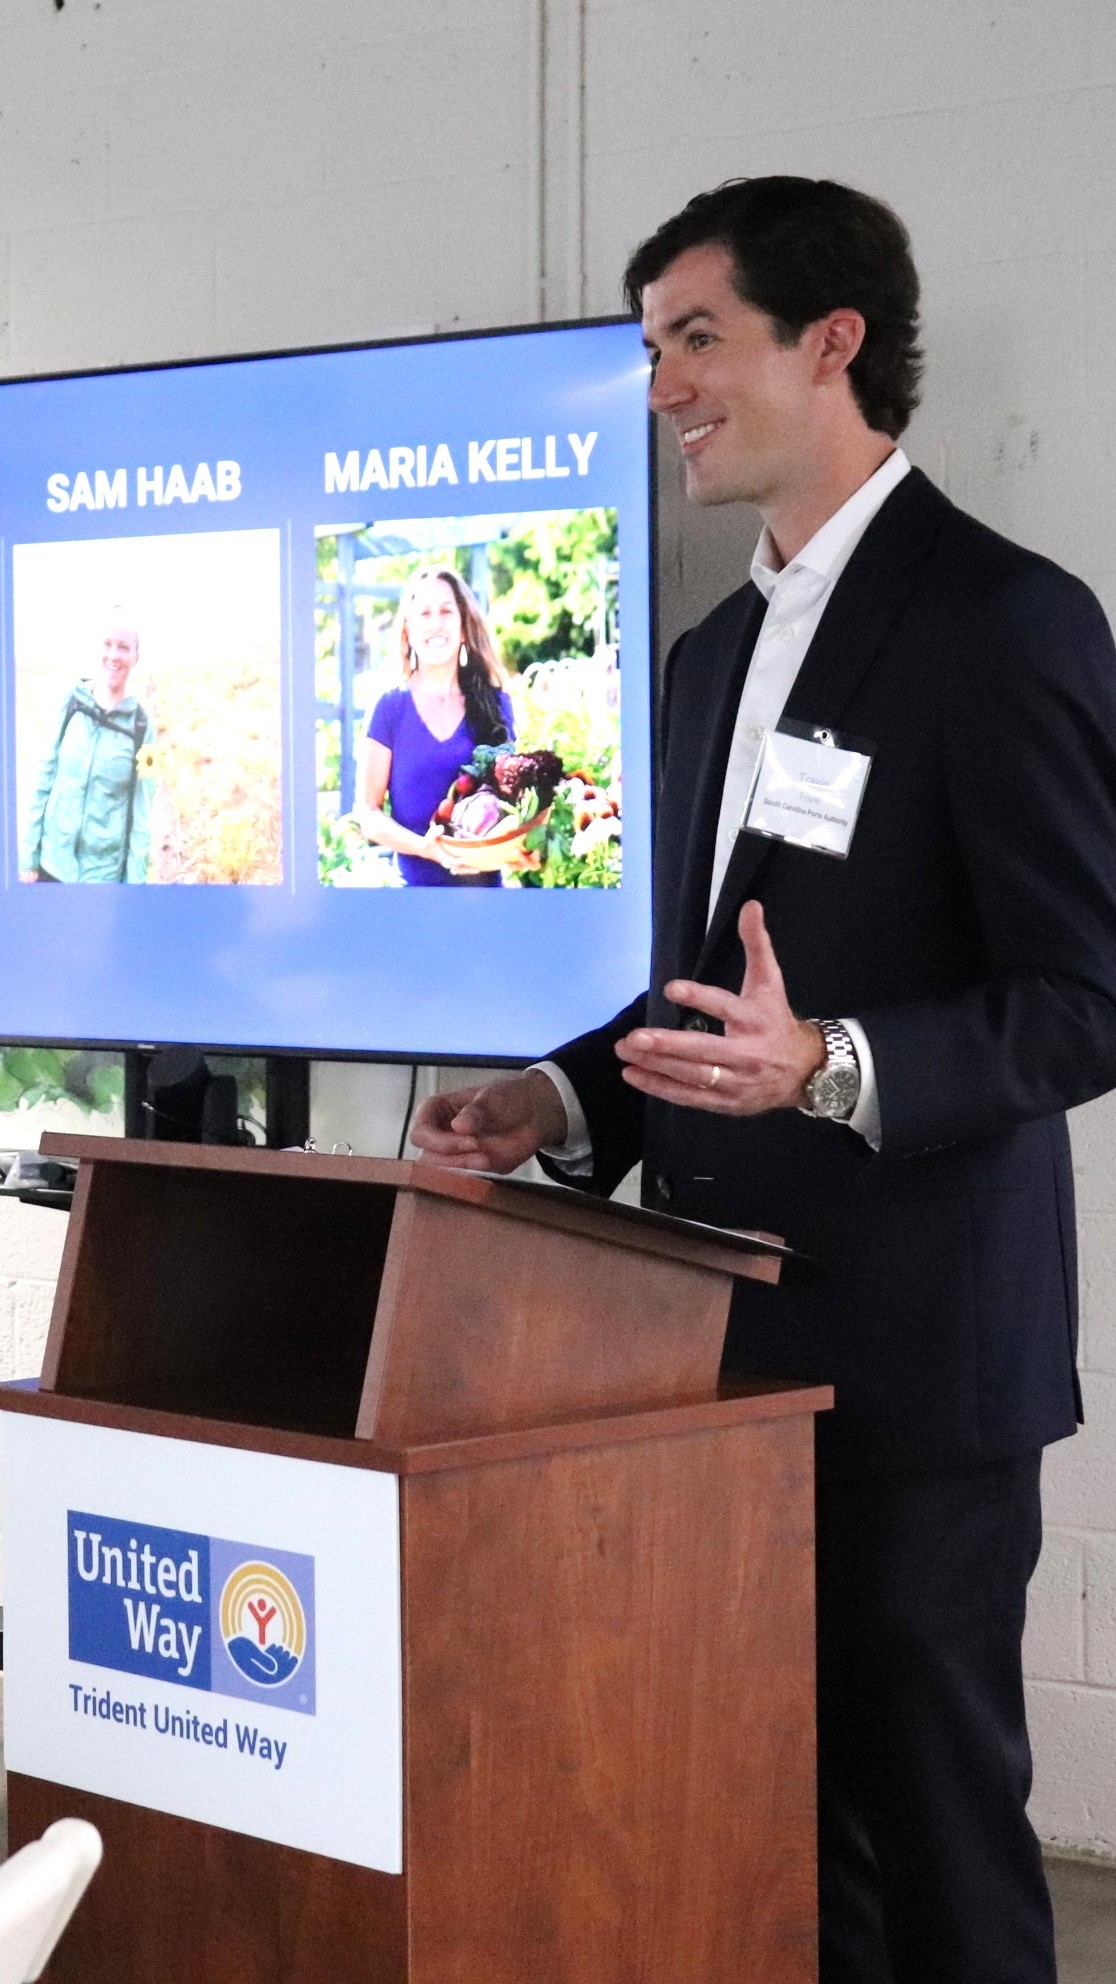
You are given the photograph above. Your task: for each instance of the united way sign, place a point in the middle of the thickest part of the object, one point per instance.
(198, 1610)
(206, 1632)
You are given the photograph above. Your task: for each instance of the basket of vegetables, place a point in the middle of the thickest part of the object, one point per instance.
(499, 799)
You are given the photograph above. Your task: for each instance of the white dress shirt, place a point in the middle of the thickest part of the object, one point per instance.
(797, 595)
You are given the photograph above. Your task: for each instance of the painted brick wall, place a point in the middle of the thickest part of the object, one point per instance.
(181, 177)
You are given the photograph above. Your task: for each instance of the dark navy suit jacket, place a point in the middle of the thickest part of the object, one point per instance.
(971, 930)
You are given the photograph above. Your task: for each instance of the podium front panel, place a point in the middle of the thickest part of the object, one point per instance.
(207, 1632)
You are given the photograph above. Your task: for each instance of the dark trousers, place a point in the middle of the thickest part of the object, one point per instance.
(929, 1871)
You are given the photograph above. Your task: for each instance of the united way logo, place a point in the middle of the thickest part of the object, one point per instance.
(196, 1611)
(263, 1624)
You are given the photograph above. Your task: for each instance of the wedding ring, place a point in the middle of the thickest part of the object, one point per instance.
(714, 1078)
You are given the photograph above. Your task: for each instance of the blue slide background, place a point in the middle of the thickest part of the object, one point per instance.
(478, 973)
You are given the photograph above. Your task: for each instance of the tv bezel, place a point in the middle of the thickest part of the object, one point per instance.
(372, 1056)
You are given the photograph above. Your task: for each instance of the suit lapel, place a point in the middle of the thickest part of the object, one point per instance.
(867, 599)
(693, 900)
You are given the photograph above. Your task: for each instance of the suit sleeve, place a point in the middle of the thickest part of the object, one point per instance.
(1029, 752)
(613, 1110)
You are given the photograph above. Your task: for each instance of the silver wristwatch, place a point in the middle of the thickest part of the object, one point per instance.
(833, 1090)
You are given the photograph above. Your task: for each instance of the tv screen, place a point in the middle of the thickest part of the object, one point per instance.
(327, 697)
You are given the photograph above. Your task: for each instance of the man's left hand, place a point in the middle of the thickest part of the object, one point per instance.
(762, 1061)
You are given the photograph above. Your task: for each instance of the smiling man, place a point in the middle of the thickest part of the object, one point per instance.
(864, 1035)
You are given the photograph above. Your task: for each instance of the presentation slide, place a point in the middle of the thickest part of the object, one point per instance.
(325, 688)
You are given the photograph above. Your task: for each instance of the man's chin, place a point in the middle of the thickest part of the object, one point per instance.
(711, 494)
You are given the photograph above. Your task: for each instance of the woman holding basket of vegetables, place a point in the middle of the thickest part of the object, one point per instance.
(453, 697)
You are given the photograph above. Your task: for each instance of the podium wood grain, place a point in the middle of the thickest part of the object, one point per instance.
(610, 1749)
(174, 1900)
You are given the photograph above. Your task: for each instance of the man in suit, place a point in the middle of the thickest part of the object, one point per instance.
(870, 1054)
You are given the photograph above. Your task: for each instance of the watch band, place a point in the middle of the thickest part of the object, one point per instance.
(833, 1090)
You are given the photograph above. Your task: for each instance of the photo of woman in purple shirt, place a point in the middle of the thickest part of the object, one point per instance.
(453, 696)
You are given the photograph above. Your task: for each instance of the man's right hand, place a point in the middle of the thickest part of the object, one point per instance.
(493, 1128)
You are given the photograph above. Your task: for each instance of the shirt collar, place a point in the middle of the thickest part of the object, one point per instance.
(825, 556)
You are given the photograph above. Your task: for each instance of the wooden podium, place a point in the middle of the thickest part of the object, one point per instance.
(607, 1569)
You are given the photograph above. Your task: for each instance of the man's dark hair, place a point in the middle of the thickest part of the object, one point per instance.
(800, 248)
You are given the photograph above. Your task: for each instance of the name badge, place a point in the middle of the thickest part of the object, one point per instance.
(807, 788)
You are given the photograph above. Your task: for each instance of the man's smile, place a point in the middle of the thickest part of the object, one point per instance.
(692, 437)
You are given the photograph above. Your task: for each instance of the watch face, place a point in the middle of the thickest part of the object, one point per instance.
(833, 1091)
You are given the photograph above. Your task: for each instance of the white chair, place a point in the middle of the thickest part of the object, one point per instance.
(40, 1887)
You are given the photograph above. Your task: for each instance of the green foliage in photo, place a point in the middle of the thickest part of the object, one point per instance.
(550, 585)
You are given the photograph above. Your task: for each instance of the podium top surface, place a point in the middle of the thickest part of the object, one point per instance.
(735, 1403)
(723, 1250)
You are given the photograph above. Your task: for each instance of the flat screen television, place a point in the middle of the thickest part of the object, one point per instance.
(326, 698)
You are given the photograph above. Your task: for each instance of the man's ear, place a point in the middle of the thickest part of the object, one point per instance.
(837, 338)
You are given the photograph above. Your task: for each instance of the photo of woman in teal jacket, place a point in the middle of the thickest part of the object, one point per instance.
(90, 814)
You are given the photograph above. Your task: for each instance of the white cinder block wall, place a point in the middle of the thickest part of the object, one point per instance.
(184, 177)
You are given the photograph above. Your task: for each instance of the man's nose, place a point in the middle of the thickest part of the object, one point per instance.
(669, 387)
